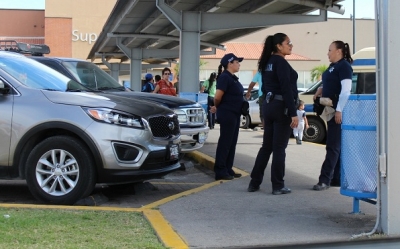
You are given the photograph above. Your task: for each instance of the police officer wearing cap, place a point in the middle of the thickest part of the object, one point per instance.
(148, 86)
(279, 85)
(227, 104)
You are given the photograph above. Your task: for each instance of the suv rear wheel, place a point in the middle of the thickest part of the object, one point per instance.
(60, 170)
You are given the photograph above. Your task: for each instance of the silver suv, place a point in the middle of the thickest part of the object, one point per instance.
(191, 115)
(63, 139)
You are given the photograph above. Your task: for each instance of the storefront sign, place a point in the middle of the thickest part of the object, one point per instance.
(86, 37)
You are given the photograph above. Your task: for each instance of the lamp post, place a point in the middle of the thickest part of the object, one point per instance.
(354, 26)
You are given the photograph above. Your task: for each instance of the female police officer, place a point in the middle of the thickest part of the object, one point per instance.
(279, 85)
(228, 101)
(336, 85)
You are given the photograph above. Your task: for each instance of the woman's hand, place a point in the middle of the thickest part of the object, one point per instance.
(338, 117)
(295, 122)
(213, 109)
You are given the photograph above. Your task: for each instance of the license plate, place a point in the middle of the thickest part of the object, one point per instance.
(202, 137)
(173, 151)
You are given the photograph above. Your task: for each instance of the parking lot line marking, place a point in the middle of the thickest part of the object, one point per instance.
(93, 208)
(176, 196)
(177, 183)
(164, 230)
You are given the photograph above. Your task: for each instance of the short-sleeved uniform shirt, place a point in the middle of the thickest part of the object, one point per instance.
(332, 77)
(212, 89)
(281, 79)
(233, 92)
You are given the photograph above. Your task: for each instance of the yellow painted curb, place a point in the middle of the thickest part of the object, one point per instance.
(93, 208)
(173, 197)
(209, 162)
(164, 230)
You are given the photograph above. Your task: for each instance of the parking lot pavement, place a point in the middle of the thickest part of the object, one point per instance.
(226, 215)
(135, 195)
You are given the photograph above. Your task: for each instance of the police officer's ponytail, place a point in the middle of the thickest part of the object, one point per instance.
(219, 70)
(345, 50)
(270, 47)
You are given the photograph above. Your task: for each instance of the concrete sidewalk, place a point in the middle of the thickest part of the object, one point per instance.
(226, 215)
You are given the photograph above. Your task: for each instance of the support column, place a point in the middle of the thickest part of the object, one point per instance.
(115, 68)
(136, 69)
(388, 91)
(189, 62)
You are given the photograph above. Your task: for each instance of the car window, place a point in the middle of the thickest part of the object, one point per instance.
(90, 75)
(365, 83)
(313, 88)
(36, 75)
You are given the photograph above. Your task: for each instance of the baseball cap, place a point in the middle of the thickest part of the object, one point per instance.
(148, 76)
(229, 58)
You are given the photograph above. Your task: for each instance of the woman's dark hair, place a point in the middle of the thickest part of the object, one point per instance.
(166, 69)
(345, 50)
(157, 78)
(220, 70)
(211, 79)
(270, 46)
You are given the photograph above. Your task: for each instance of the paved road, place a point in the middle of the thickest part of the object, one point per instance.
(226, 215)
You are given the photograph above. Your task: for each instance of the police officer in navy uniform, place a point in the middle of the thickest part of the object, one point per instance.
(228, 101)
(279, 86)
(336, 85)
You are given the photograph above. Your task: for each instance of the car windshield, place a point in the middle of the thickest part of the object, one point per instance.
(36, 75)
(313, 86)
(90, 75)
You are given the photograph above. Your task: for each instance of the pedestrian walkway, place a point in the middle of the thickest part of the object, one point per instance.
(226, 215)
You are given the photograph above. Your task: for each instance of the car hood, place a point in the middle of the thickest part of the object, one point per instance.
(105, 100)
(165, 100)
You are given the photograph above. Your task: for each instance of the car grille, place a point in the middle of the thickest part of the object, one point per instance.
(164, 126)
(195, 115)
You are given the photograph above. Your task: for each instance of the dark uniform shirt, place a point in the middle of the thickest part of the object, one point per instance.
(233, 92)
(148, 87)
(332, 77)
(280, 78)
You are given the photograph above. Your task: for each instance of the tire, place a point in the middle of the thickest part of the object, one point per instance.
(64, 181)
(316, 132)
(244, 121)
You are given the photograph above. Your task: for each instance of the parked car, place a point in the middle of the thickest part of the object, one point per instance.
(192, 117)
(253, 119)
(64, 138)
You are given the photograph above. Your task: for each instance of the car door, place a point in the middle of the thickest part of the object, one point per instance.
(6, 110)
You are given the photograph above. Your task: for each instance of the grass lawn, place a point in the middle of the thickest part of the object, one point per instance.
(39, 228)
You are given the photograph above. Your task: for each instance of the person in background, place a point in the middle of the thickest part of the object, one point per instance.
(279, 111)
(261, 97)
(336, 85)
(303, 123)
(148, 87)
(164, 86)
(210, 86)
(177, 84)
(157, 78)
(228, 101)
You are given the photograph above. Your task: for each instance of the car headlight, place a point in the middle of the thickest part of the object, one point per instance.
(182, 117)
(115, 117)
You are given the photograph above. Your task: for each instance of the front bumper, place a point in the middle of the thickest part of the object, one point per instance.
(193, 138)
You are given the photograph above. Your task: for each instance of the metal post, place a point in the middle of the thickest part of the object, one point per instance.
(354, 26)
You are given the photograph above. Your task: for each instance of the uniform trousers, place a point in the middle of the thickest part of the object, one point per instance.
(275, 140)
(330, 169)
(229, 123)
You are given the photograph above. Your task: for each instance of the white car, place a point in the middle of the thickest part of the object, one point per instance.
(253, 119)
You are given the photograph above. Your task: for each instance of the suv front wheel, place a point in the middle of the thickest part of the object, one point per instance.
(60, 170)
